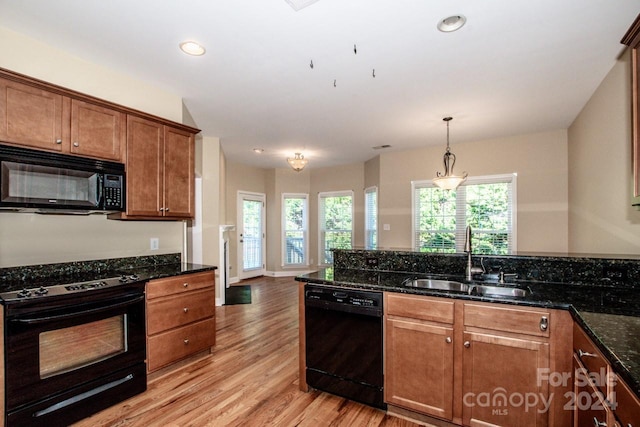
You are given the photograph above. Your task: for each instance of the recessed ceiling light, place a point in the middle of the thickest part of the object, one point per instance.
(258, 150)
(192, 48)
(452, 23)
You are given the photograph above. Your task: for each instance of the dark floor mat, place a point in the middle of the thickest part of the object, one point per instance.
(237, 295)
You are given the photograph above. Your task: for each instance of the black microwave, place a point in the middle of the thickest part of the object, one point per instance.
(43, 182)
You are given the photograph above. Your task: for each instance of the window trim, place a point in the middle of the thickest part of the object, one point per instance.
(372, 189)
(474, 180)
(305, 233)
(327, 194)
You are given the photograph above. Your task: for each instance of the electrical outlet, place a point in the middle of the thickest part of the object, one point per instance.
(154, 243)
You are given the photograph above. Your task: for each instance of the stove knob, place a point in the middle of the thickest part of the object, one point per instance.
(134, 277)
(41, 291)
(124, 279)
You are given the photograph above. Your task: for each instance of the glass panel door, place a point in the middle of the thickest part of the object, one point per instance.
(252, 235)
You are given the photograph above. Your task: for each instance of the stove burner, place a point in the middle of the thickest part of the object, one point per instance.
(133, 277)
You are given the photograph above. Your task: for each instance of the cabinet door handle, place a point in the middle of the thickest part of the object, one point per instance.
(544, 323)
(597, 423)
(448, 340)
(186, 309)
(467, 344)
(58, 141)
(161, 209)
(186, 341)
(76, 144)
(582, 354)
(166, 209)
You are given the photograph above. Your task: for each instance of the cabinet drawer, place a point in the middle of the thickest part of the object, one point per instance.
(168, 313)
(515, 320)
(627, 409)
(419, 307)
(586, 351)
(174, 285)
(176, 344)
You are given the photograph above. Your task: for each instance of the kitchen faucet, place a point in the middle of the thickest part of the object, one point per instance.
(470, 270)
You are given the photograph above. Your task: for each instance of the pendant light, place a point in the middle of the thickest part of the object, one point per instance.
(449, 181)
(298, 162)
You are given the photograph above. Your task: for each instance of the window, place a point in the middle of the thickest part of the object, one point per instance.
(487, 204)
(335, 223)
(295, 224)
(371, 218)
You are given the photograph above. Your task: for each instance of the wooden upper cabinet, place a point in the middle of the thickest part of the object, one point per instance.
(145, 142)
(632, 39)
(97, 131)
(42, 119)
(160, 170)
(179, 173)
(159, 154)
(33, 117)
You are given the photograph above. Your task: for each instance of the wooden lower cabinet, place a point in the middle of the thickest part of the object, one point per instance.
(600, 397)
(419, 360)
(500, 380)
(180, 318)
(475, 364)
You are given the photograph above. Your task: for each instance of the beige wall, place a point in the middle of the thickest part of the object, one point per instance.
(540, 160)
(601, 218)
(27, 239)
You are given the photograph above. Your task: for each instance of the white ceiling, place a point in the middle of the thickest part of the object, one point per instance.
(516, 67)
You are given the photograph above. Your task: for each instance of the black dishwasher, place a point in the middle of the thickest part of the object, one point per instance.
(343, 330)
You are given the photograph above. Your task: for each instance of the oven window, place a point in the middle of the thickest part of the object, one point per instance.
(64, 350)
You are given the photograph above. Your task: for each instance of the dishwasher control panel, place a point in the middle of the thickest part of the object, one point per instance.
(343, 299)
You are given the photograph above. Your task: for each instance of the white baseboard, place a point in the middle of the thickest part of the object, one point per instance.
(287, 273)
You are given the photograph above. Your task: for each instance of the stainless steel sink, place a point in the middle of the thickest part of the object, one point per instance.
(500, 291)
(442, 285)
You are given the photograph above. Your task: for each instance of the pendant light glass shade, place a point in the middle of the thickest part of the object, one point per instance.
(449, 181)
(298, 162)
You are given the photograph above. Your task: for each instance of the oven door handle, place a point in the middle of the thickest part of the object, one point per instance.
(44, 319)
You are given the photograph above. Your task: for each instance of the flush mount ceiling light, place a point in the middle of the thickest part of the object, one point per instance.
(192, 48)
(451, 23)
(298, 162)
(449, 181)
(258, 150)
(300, 4)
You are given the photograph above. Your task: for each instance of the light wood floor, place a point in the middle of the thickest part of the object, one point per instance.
(251, 379)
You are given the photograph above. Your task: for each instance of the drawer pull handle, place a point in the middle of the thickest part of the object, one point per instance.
(582, 354)
(544, 323)
(467, 344)
(185, 285)
(58, 141)
(76, 144)
(448, 340)
(186, 309)
(597, 423)
(186, 342)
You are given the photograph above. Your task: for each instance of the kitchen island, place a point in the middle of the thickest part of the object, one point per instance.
(604, 306)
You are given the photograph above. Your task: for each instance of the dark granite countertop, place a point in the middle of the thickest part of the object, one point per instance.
(610, 315)
(148, 268)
